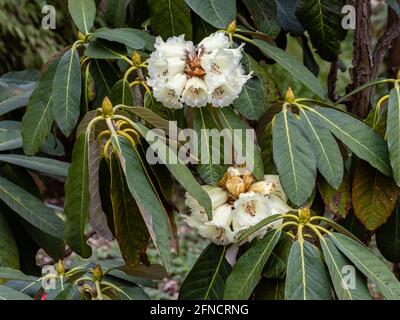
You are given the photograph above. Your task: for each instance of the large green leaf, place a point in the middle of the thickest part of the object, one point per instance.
(374, 196)
(264, 15)
(329, 159)
(67, 92)
(306, 276)
(206, 280)
(217, 13)
(132, 38)
(7, 293)
(388, 237)
(9, 256)
(291, 65)
(337, 264)
(10, 135)
(369, 264)
(45, 166)
(210, 169)
(323, 21)
(294, 158)
(103, 49)
(12, 274)
(38, 118)
(247, 271)
(270, 289)
(77, 198)
(31, 209)
(180, 172)
(357, 136)
(259, 93)
(337, 201)
(242, 138)
(393, 131)
(115, 12)
(170, 18)
(83, 13)
(141, 189)
(130, 229)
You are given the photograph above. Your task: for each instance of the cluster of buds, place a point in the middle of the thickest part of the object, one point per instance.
(238, 202)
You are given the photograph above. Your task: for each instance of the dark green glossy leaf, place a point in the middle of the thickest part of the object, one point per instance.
(132, 38)
(264, 15)
(9, 256)
(206, 280)
(83, 13)
(392, 131)
(7, 293)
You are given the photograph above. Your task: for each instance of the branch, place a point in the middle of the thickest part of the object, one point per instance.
(384, 44)
(332, 78)
(362, 58)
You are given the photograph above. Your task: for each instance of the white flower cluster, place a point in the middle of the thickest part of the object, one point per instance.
(238, 204)
(210, 73)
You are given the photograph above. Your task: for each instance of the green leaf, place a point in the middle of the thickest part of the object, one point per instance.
(103, 49)
(258, 93)
(357, 136)
(393, 131)
(170, 18)
(361, 88)
(45, 166)
(291, 65)
(31, 209)
(83, 13)
(217, 13)
(337, 264)
(67, 92)
(264, 16)
(388, 237)
(115, 12)
(374, 196)
(241, 138)
(141, 189)
(247, 271)
(77, 198)
(10, 138)
(206, 280)
(10, 102)
(277, 263)
(12, 274)
(9, 256)
(132, 38)
(306, 277)
(7, 293)
(293, 158)
(270, 289)
(38, 118)
(105, 75)
(287, 17)
(180, 172)
(121, 93)
(130, 229)
(329, 159)
(210, 169)
(337, 201)
(323, 21)
(369, 264)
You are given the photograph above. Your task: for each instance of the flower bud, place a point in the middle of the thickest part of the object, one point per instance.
(235, 186)
(233, 172)
(289, 95)
(81, 36)
(136, 59)
(97, 273)
(232, 27)
(247, 179)
(304, 215)
(217, 195)
(91, 89)
(107, 107)
(60, 268)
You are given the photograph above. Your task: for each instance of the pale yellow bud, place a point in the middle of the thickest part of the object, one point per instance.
(107, 107)
(136, 59)
(304, 215)
(289, 95)
(235, 186)
(232, 27)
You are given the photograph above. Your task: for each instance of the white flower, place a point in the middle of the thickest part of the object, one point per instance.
(215, 41)
(277, 187)
(195, 93)
(213, 72)
(249, 210)
(170, 91)
(175, 47)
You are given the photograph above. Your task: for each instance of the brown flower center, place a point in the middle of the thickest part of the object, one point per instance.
(192, 66)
